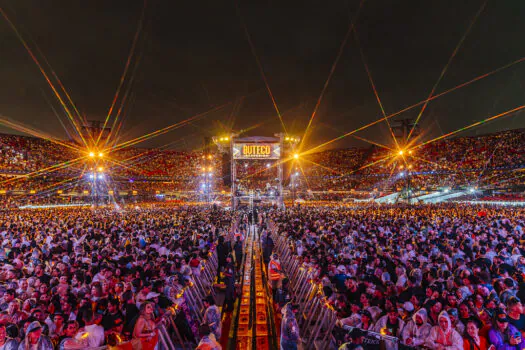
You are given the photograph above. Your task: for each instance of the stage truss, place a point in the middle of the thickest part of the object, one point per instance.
(272, 150)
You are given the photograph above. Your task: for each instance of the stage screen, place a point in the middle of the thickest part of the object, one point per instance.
(256, 151)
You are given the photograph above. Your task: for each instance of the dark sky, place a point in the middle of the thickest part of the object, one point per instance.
(193, 55)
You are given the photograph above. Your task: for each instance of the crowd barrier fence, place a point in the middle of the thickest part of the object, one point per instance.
(316, 317)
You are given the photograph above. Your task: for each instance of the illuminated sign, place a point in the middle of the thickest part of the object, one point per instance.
(256, 151)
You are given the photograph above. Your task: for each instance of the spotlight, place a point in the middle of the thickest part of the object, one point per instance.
(410, 152)
(447, 190)
(267, 165)
(100, 169)
(100, 154)
(471, 190)
(401, 152)
(91, 154)
(296, 156)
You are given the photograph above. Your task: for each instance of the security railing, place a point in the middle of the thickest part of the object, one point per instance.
(317, 317)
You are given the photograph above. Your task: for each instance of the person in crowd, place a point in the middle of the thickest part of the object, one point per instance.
(472, 339)
(356, 341)
(516, 313)
(208, 341)
(275, 274)
(229, 279)
(237, 248)
(390, 324)
(145, 328)
(92, 334)
(8, 341)
(503, 335)
(417, 330)
(34, 339)
(444, 336)
(212, 316)
(290, 337)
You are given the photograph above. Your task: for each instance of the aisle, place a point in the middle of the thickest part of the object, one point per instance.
(254, 329)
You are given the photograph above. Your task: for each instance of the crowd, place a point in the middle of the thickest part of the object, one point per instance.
(435, 277)
(489, 161)
(82, 278)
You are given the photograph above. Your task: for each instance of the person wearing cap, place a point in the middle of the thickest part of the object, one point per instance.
(505, 336)
(356, 340)
(290, 336)
(444, 336)
(417, 330)
(34, 340)
(367, 321)
(212, 316)
(515, 312)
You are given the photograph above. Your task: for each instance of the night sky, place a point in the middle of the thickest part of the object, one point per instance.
(194, 55)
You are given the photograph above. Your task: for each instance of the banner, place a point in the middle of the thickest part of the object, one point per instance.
(256, 151)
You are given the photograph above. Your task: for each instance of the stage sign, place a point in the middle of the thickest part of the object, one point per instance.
(256, 151)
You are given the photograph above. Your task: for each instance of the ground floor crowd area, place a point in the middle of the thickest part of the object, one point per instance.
(446, 276)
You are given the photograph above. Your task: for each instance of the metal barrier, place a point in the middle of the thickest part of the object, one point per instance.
(374, 340)
(169, 336)
(316, 318)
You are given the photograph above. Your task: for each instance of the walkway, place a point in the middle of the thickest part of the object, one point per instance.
(254, 326)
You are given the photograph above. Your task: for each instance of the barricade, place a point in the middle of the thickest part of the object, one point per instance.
(316, 316)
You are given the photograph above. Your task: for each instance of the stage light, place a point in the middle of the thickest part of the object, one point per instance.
(268, 165)
(100, 176)
(296, 174)
(226, 138)
(287, 138)
(410, 152)
(100, 169)
(210, 169)
(100, 154)
(296, 156)
(401, 152)
(471, 190)
(91, 176)
(410, 166)
(447, 190)
(91, 154)
(401, 174)
(401, 166)
(209, 156)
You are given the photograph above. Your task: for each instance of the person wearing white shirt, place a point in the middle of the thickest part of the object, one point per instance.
(92, 335)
